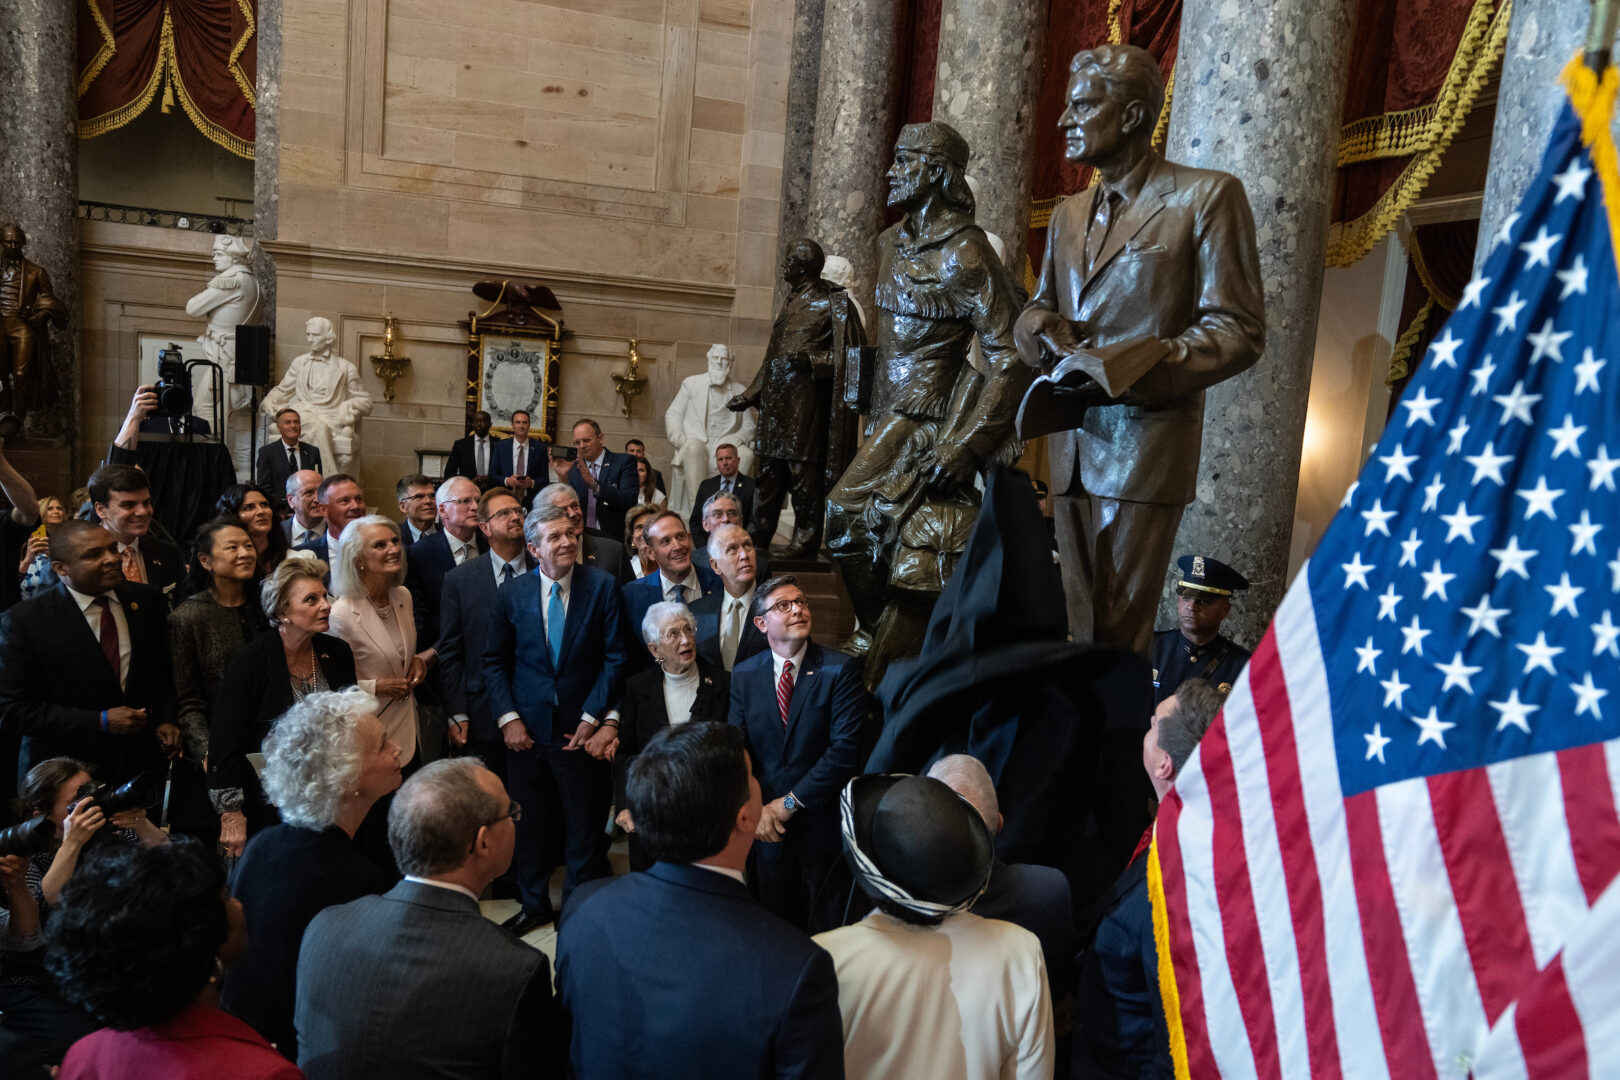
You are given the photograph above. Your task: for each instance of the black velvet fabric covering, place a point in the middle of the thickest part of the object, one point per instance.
(187, 478)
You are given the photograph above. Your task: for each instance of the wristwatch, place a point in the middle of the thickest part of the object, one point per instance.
(789, 803)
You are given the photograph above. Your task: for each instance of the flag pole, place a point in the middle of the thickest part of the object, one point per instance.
(1600, 34)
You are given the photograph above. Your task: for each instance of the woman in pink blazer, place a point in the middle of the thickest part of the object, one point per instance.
(372, 613)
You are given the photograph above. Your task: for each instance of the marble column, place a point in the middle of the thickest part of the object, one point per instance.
(804, 77)
(1542, 37)
(986, 82)
(267, 153)
(856, 103)
(39, 165)
(1259, 92)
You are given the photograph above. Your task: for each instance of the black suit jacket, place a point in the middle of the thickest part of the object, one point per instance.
(706, 610)
(536, 466)
(609, 555)
(642, 714)
(618, 491)
(820, 750)
(272, 469)
(680, 973)
(165, 567)
(464, 461)
(744, 493)
(478, 1002)
(55, 682)
(426, 566)
(1120, 1028)
(256, 689)
(468, 601)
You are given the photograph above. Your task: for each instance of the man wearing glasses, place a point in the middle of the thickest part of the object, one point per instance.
(419, 514)
(800, 707)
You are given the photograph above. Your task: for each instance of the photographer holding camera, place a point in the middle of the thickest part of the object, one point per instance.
(62, 791)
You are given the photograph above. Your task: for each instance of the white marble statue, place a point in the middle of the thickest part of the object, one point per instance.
(231, 299)
(837, 270)
(326, 391)
(697, 422)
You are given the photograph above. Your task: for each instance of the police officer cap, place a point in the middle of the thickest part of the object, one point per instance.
(1203, 574)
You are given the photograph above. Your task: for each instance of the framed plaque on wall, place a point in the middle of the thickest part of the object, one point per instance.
(513, 361)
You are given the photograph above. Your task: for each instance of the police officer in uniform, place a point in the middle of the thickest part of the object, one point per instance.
(1195, 649)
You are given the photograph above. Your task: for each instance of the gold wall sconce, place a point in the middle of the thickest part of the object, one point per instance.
(388, 366)
(627, 384)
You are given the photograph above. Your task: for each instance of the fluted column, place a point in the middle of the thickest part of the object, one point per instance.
(856, 104)
(1542, 37)
(39, 164)
(1259, 94)
(986, 82)
(804, 77)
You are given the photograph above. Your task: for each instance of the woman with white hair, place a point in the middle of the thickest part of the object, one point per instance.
(682, 689)
(373, 614)
(326, 763)
(295, 658)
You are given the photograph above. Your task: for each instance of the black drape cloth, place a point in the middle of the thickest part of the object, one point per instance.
(1059, 726)
(187, 479)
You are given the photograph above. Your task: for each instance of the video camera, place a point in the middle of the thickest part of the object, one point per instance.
(173, 384)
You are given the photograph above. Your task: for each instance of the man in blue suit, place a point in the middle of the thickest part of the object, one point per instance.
(679, 579)
(553, 665)
(678, 972)
(801, 708)
(520, 462)
(468, 597)
(604, 481)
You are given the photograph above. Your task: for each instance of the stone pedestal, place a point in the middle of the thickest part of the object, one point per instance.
(987, 80)
(804, 77)
(1542, 37)
(39, 166)
(1259, 92)
(856, 104)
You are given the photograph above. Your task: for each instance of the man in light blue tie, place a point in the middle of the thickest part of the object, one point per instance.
(553, 664)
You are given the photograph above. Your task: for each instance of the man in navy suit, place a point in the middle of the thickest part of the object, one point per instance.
(595, 549)
(553, 666)
(520, 462)
(716, 985)
(801, 708)
(307, 522)
(122, 497)
(455, 542)
(726, 633)
(474, 455)
(341, 500)
(418, 516)
(728, 480)
(604, 481)
(287, 455)
(679, 578)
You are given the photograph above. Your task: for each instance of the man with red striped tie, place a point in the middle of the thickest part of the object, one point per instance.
(800, 708)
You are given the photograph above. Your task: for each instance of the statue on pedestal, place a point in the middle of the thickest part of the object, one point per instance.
(903, 510)
(1149, 292)
(327, 392)
(793, 391)
(231, 299)
(28, 309)
(698, 421)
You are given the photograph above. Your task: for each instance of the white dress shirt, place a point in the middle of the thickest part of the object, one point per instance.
(735, 875)
(417, 534)
(690, 588)
(301, 535)
(450, 885)
(680, 691)
(136, 548)
(520, 457)
(736, 607)
(462, 550)
(777, 660)
(499, 565)
(566, 581)
(92, 615)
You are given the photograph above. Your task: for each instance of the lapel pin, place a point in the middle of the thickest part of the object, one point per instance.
(133, 606)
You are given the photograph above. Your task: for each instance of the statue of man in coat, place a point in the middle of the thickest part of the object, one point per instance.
(28, 309)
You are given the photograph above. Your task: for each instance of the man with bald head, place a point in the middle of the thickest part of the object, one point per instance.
(725, 629)
(308, 520)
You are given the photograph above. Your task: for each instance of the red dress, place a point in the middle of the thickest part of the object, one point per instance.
(202, 1043)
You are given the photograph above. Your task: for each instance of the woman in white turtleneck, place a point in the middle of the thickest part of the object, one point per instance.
(683, 688)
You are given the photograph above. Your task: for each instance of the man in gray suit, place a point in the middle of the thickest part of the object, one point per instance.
(1149, 293)
(417, 982)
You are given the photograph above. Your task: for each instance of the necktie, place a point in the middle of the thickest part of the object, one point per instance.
(784, 691)
(590, 498)
(483, 457)
(109, 638)
(461, 554)
(132, 567)
(732, 633)
(507, 573)
(673, 594)
(518, 460)
(292, 458)
(1097, 235)
(555, 617)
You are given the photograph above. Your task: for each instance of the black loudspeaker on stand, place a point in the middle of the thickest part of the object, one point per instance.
(253, 349)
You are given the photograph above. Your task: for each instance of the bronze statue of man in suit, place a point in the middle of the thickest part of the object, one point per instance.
(902, 512)
(27, 378)
(1149, 293)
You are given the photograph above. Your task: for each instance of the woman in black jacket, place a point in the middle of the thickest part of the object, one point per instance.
(680, 690)
(295, 658)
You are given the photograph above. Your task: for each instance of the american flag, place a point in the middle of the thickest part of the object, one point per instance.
(1391, 855)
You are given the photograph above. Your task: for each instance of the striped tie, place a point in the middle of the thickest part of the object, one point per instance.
(784, 691)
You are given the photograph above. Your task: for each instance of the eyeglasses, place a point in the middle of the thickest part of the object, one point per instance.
(466, 500)
(513, 811)
(508, 512)
(418, 497)
(782, 607)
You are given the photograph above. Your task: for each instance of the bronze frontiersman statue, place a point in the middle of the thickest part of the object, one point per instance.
(27, 377)
(793, 391)
(902, 512)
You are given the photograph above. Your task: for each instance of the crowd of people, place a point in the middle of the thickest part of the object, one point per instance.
(258, 803)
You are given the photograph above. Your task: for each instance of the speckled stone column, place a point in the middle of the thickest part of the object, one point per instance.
(987, 78)
(804, 77)
(856, 100)
(39, 165)
(267, 153)
(1259, 91)
(1542, 37)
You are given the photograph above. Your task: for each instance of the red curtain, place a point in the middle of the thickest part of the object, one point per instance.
(201, 53)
